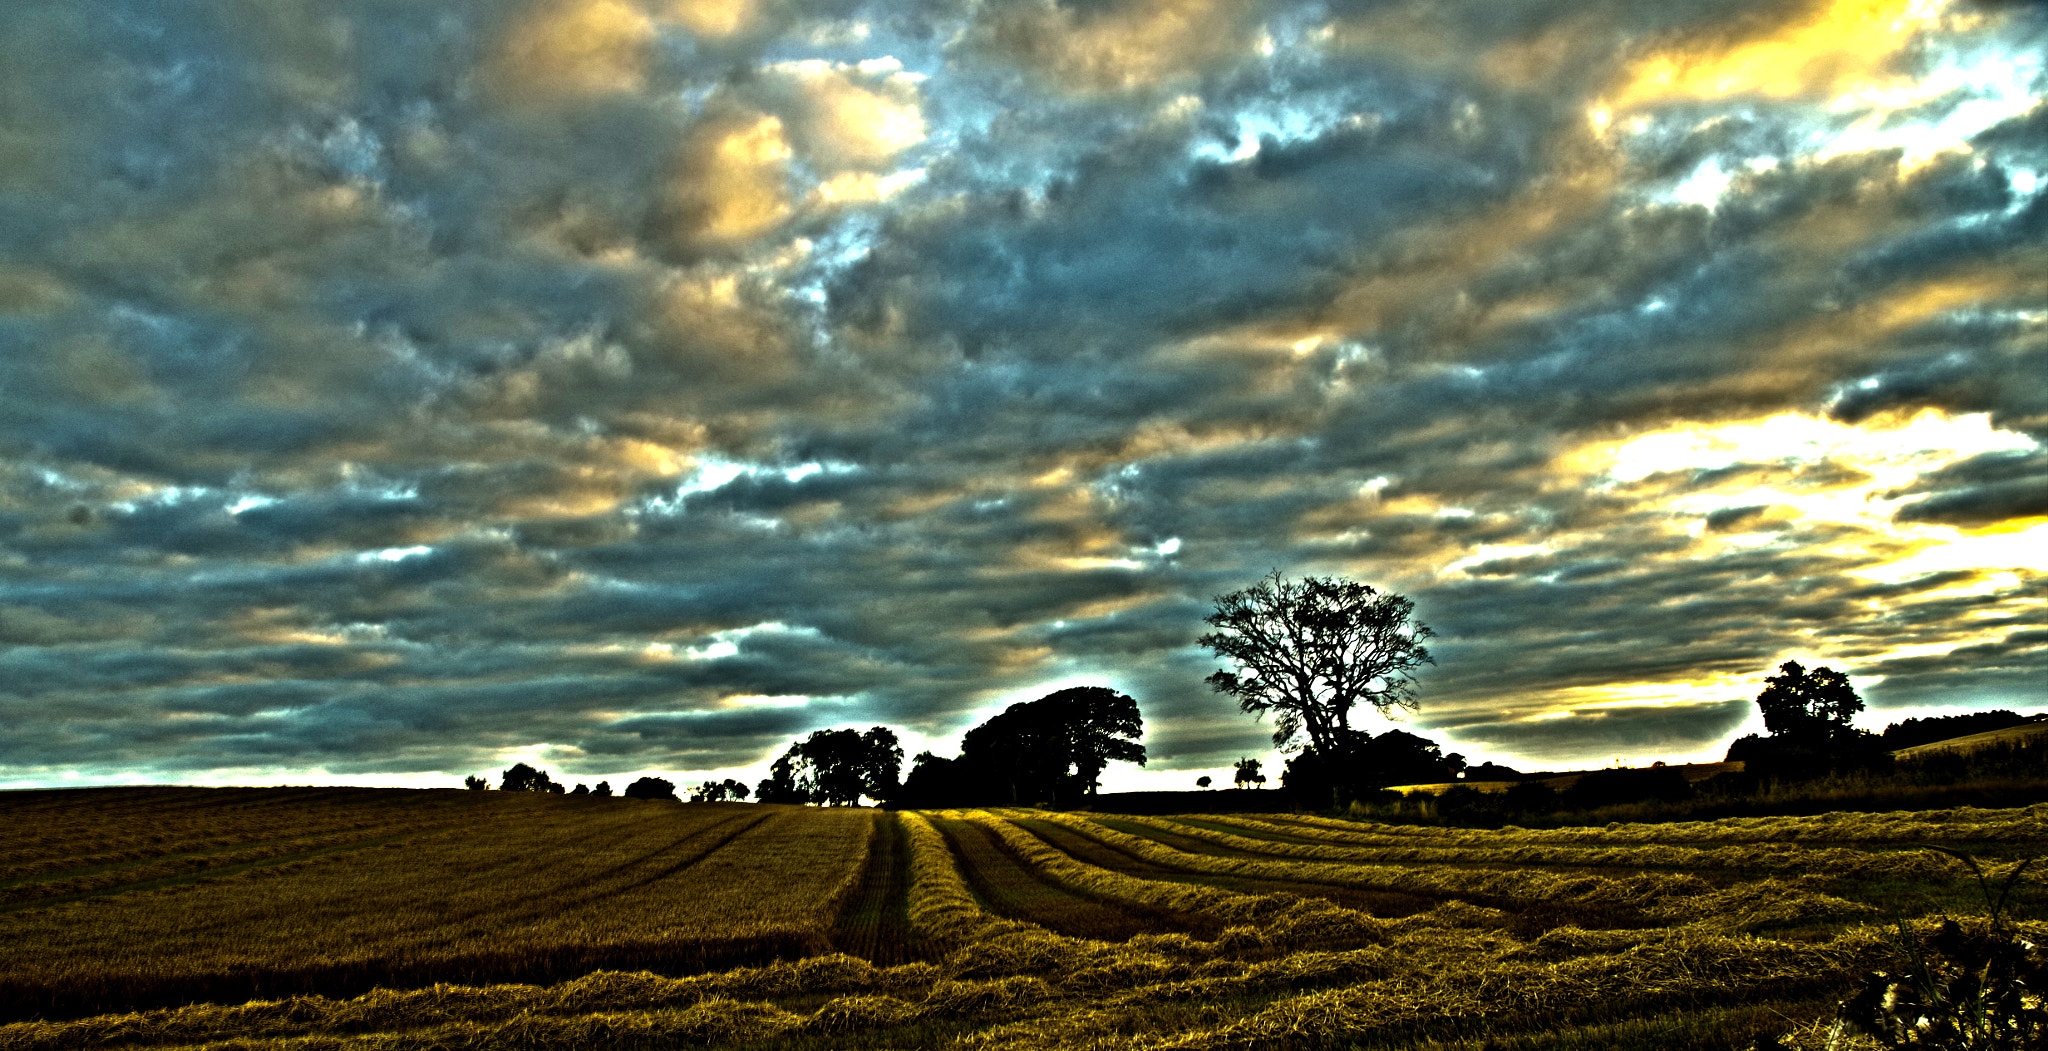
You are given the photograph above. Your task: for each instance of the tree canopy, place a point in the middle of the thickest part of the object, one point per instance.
(1057, 746)
(1807, 713)
(1808, 707)
(651, 788)
(718, 791)
(1053, 749)
(523, 778)
(1313, 650)
(835, 767)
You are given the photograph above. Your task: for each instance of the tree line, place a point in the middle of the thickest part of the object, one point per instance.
(1313, 654)
(1051, 750)
(1309, 652)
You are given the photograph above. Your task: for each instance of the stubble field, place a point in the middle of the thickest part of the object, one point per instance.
(371, 919)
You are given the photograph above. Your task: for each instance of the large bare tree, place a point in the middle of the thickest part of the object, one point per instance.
(1312, 650)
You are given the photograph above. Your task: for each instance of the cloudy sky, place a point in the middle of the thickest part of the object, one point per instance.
(393, 390)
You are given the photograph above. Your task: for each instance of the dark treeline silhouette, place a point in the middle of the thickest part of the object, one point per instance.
(1360, 764)
(719, 792)
(1907, 733)
(1048, 751)
(523, 778)
(1807, 715)
(834, 767)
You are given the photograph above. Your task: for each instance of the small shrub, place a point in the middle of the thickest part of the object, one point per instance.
(1975, 989)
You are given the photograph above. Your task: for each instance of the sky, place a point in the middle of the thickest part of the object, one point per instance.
(395, 390)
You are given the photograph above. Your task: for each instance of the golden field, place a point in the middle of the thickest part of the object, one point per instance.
(369, 919)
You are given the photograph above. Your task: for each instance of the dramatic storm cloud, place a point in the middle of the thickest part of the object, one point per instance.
(392, 390)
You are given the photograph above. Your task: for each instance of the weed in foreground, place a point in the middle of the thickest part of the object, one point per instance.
(1978, 988)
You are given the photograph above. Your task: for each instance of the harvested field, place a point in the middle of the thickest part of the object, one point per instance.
(1073, 843)
(1002, 929)
(1004, 884)
(875, 924)
(407, 889)
(1181, 838)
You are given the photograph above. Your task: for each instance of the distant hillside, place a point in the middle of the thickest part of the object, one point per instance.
(1563, 781)
(1974, 742)
(1911, 733)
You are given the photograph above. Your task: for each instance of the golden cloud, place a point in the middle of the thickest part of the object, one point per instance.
(854, 116)
(1826, 49)
(715, 18)
(730, 185)
(24, 291)
(573, 48)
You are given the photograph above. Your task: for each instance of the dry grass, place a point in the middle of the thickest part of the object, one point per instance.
(1285, 919)
(1501, 883)
(1463, 847)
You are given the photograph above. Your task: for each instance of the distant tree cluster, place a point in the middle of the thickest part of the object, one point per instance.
(719, 791)
(1049, 751)
(523, 778)
(1807, 713)
(836, 768)
(1367, 763)
(1313, 653)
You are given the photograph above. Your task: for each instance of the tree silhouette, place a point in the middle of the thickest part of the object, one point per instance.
(651, 788)
(581, 789)
(1202, 781)
(1312, 650)
(934, 781)
(837, 767)
(603, 790)
(780, 786)
(476, 784)
(1056, 747)
(1247, 771)
(1808, 707)
(523, 778)
(1100, 726)
(718, 791)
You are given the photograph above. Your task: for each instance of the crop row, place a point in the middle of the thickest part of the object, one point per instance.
(1252, 837)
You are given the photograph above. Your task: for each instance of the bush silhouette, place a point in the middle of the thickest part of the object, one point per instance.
(651, 788)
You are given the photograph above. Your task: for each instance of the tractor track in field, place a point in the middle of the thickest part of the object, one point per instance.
(1527, 916)
(875, 922)
(1009, 886)
(1384, 903)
